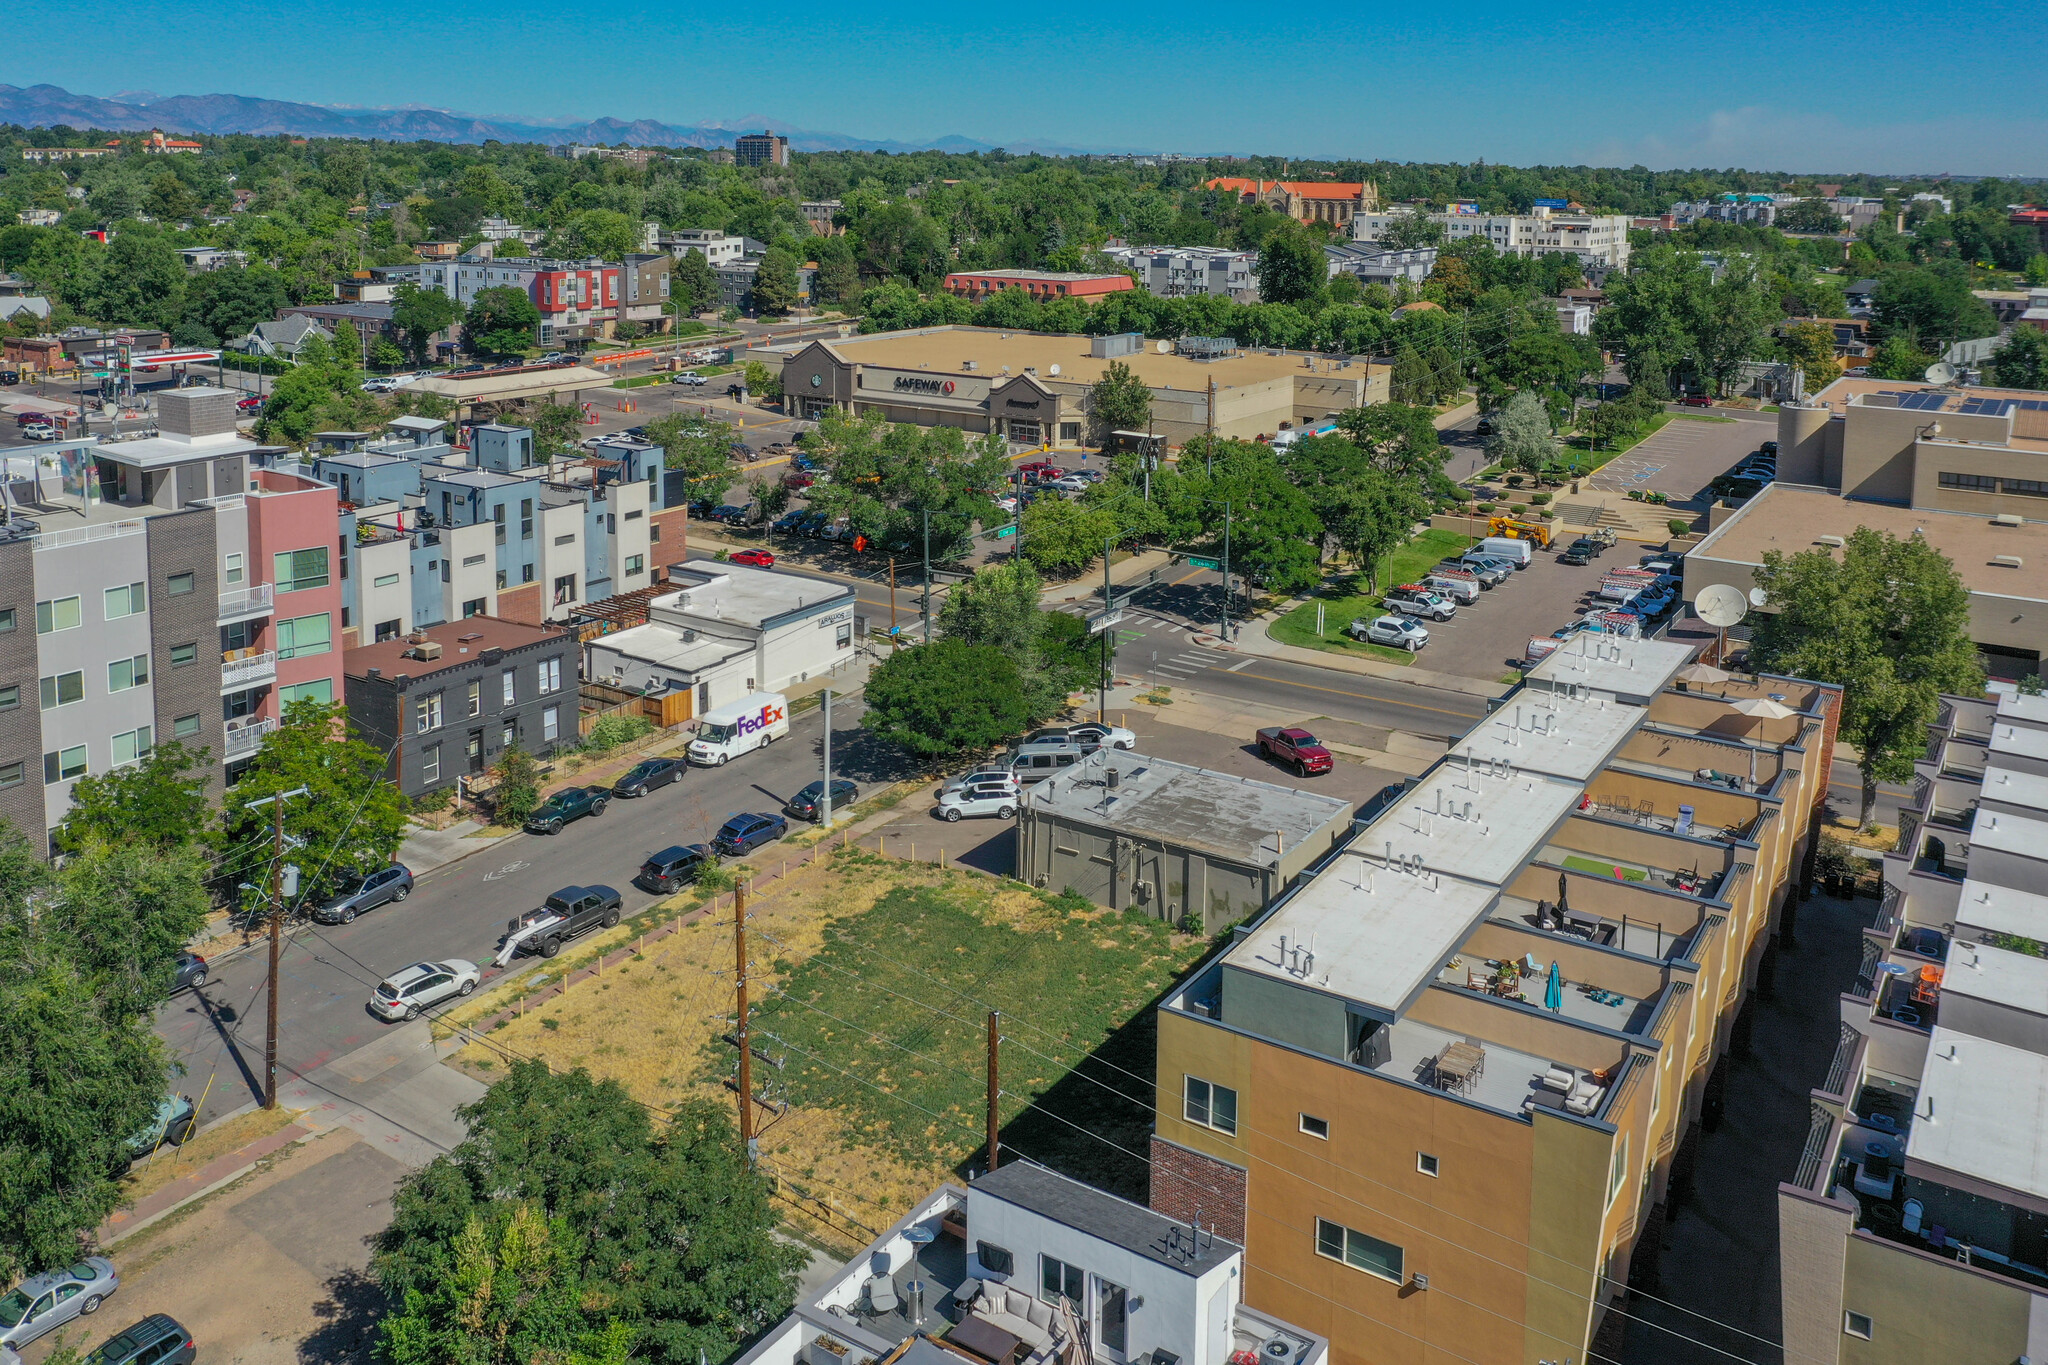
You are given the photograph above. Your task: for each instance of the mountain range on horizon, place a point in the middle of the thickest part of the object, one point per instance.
(46, 106)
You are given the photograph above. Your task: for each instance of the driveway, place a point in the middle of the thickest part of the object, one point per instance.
(1683, 458)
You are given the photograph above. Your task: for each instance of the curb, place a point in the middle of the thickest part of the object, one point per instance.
(122, 1225)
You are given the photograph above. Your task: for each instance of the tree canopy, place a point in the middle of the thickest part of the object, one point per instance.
(502, 320)
(947, 699)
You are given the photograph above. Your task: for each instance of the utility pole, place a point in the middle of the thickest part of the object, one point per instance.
(277, 894)
(739, 953)
(1108, 629)
(994, 1091)
(925, 607)
(892, 595)
(825, 769)
(1226, 573)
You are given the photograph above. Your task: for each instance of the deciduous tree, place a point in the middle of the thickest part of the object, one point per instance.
(419, 314)
(501, 321)
(1292, 266)
(947, 699)
(1521, 437)
(1119, 401)
(2022, 362)
(156, 803)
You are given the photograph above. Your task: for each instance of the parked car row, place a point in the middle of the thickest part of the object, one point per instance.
(1748, 476)
(1456, 581)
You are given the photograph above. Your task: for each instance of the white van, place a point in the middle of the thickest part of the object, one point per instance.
(1460, 585)
(1516, 551)
(739, 727)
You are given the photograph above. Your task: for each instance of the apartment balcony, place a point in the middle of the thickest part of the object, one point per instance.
(245, 737)
(245, 668)
(245, 604)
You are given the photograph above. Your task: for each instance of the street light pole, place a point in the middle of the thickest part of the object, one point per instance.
(825, 770)
(925, 606)
(276, 938)
(1225, 620)
(1108, 628)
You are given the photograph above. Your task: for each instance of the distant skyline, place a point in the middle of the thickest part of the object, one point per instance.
(1882, 87)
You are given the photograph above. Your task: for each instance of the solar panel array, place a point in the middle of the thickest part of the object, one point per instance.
(1919, 399)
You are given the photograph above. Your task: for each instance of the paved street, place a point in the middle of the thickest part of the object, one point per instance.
(460, 910)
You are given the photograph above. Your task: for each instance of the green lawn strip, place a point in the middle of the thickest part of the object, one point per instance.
(1698, 417)
(885, 1023)
(1622, 447)
(1342, 603)
(1600, 869)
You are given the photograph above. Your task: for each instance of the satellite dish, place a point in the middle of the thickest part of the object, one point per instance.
(1720, 605)
(1940, 372)
(1163, 347)
(1757, 597)
(1053, 370)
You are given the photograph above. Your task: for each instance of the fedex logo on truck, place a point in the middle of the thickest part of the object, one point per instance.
(770, 714)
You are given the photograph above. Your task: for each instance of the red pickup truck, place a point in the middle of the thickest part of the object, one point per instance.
(1296, 749)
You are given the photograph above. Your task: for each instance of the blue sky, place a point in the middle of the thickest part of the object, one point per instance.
(1879, 86)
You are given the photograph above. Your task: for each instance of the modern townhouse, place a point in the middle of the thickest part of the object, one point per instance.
(1595, 238)
(1916, 1226)
(578, 300)
(1438, 1090)
(154, 590)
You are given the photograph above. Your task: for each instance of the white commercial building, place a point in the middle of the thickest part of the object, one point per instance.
(1601, 237)
(728, 630)
(719, 248)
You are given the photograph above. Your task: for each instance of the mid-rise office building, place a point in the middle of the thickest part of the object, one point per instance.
(154, 590)
(761, 149)
(1916, 1226)
(1437, 1090)
(717, 248)
(1600, 238)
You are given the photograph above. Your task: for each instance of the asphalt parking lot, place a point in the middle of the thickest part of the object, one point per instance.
(1487, 637)
(989, 845)
(1683, 458)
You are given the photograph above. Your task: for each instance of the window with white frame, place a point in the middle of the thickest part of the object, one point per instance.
(1211, 1105)
(1059, 1279)
(1426, 1163)
(506, 685)
(62, 689)
(123, 674)
(476, 697)
(1857, 1324)
(130, 745)
(232, 569)
(551, 674)
(1359, 1250)
(184, 727)
(1315, 1127)
(426, 714)
(551, 722)
(64, 764)
(430, 763)
(58, 613)
(131, 599)
(1617, 1171)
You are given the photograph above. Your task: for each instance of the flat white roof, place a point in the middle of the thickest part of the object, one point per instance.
(162, 450)
(1982, 1113)
(1626, 668)
(2003, 910)
(742, 594)
(2022, 709)
(1550, 732)
(2022, 740)
(2020, 835)
(1987, 973)
(2015, 788)
(1511, 816)
(664, 647)
(1377, 936)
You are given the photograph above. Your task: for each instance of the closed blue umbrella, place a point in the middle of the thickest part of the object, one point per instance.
(1553, 991)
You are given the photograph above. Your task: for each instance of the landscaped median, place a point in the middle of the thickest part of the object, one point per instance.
(870, 978)
(1345, 599)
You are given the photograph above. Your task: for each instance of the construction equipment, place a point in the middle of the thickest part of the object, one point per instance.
(1514, 528)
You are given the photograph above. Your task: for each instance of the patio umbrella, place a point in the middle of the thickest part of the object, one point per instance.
(1703, 674)
(1763, 708)
(1562, 905)
(1553, 991)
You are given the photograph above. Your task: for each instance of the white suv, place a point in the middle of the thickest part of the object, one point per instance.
(992, 798)
(1398, 631)
(403, 994)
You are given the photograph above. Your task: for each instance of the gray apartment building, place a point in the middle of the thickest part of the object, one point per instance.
(447, 702)
(154, 590)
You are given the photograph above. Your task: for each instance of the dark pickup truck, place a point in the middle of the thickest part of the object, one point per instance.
(570, 803)
(579, 910)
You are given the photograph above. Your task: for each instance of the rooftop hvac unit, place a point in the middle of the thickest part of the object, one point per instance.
(430, 649)
(2007, 561)
(1835, 541)
(2008, 519)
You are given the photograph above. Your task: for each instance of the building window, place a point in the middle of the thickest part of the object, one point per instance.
(64, 764)
(123, 674)
(184, 727)
(430, 763)
(551, 722)
(565, 589)
(232, 571)
(184, 654)
(509, 735)
(633, 516)
(526, 518)
(654, 533)
(130, 745)
(635, 565)
(304, 635)
(550, 674)
(320, 690)
(473, 607)
(179, 584)
(10, 696)
(386, 630)
(426, 714)
(59, 613)
(385, 580)
(1315, 1127)
(6, 620)
(1070, 431)
(1425, 1163)
(1058, 1280)
(12, 775)
(1969, 483)
(1617, 1172)
(1212, 1106)
(526, 573)
(503, 581)
(471, 561)
(1355, 1249)
(476, 698)
(130, 600)
(569, 539)
(62, 689)
(2026, 488)
(1857, 1324)
(506, 686)
(843, 636)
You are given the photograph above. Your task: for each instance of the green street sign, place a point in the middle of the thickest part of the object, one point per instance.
(1198, 563)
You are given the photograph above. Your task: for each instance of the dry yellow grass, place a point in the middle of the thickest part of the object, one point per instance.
(149, 1175)
(650, 1024)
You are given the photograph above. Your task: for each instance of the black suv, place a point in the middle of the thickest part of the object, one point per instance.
(744, 833)
(156, 1340)
(582, 909)
(570, 803)
(644, 776)
(672, 869)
